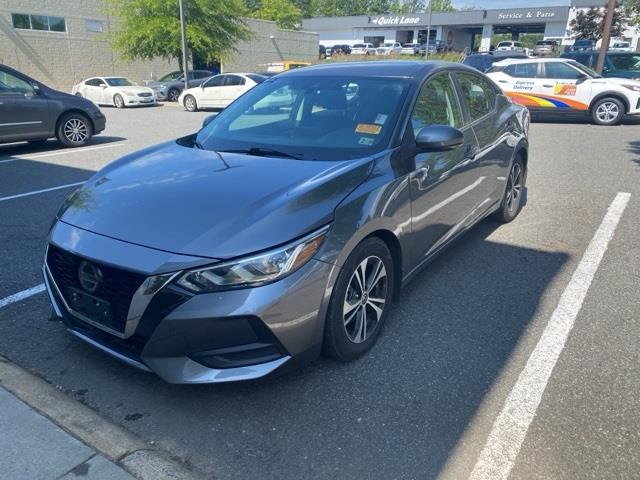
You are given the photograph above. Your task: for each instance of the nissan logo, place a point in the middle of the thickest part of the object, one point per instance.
(90, 276)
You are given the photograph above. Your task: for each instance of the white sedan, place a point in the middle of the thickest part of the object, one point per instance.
(117, 91)
(219, 91)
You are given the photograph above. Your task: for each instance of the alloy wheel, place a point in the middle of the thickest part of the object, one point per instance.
(514, 187)
(365, 299)
(190, 103)
(173, 95)
(76, 130)
(118, 101)
(607, 112)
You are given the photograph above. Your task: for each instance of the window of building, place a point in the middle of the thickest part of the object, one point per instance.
(38, 22)
(93, 26)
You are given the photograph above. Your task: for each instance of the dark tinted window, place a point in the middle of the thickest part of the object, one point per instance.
(560, 70)
(437, 105)
(215, 81)
(57, 24)
(478, 94)
(20, 21)
(256, 78)
(93, 82)
(583, 58)
(522, 70)
(233, 80)
(202, 74)
(39, 22)
(625, 62)
(479, 62)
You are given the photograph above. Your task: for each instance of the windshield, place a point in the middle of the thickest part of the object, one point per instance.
(359, 45)
(119, 82)
(323, 118)
(585, 69)
(626, 62)
(171, 76)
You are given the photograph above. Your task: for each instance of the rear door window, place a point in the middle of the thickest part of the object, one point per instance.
(522, 70)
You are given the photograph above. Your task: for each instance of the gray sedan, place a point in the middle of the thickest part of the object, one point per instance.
(171, 85)
(288, 224)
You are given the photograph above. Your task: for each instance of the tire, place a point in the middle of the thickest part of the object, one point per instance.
(118, 102)
(190, 103)
(173, 95)
(74, 130)
(607, 111)
(78, 94)
(346, 336)
(512, 200)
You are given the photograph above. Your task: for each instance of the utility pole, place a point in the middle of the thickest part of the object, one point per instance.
(183, 33)
(606, 34)
(429, 27)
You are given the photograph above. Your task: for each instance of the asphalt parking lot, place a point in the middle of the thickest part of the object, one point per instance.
(424, 402)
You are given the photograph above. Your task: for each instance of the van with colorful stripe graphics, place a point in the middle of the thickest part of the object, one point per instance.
(557, 85)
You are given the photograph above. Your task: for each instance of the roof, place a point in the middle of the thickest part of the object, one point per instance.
(375, 68)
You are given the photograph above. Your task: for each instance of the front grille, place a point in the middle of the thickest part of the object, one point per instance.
(117, 286)
(145, 94)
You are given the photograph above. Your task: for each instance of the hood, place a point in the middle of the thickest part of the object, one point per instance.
(188, 201)
(625, 78)
(136, 89)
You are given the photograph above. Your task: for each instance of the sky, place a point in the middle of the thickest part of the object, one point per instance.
(489, 4)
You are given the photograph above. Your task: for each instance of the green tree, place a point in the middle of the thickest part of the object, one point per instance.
(632, 10)
(151, 28)
(284, 12)
(442, 6)
(589, 24)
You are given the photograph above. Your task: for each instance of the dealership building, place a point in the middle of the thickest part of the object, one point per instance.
(61, 42)
(460, 29)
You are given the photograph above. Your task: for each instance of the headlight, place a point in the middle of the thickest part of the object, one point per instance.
(256, 270)
(635, 88)
(128, 93)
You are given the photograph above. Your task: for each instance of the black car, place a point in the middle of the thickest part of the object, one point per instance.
(33, 112)
(340, 50)
(484, 61)
(581, 45)
(616, 64)
(322, 52)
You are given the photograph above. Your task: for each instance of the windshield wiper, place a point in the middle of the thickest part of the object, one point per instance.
(266, 152)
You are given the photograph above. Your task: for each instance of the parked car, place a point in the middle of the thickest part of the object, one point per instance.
(363, 49)
(581, 45)
(616, 64)
(389, 48)
(510, 46)
(171, 85)
(219, 91)
(33, 112)
(484, 61)
(435, 46)
(561, 86)
(342, 49)
(621, 46)
(119, 92)
(545, 47)
(275, 233)
(410, 49)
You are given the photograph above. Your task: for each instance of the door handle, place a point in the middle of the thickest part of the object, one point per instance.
(503, 81)
(547, 85)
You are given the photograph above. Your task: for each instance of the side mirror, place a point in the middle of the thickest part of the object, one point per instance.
(582, 77)
(103, 85)
(208, 120)
(438, 138)
(36, 88)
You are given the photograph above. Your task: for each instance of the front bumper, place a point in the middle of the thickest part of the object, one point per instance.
(139, 101)
(161, 95)
(217, 337)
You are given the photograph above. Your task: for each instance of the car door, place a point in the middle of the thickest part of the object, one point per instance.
(24, 112)
(517, 81)
(232, 88)
(211, 95)
(562, 87)
(483, 104)
(443, 184)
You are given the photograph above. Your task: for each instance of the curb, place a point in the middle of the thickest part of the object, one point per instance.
(114, 442)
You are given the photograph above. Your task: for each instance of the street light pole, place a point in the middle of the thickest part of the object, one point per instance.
(183, 33)
(606, 34)
(429, 27)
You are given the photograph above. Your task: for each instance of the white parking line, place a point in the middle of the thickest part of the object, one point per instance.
(510, 428)
(16, 297)
(60, 152)
(44, 190)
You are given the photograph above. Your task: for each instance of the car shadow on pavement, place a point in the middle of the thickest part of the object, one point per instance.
(398, 412)
(9, 150)
(634, 147)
